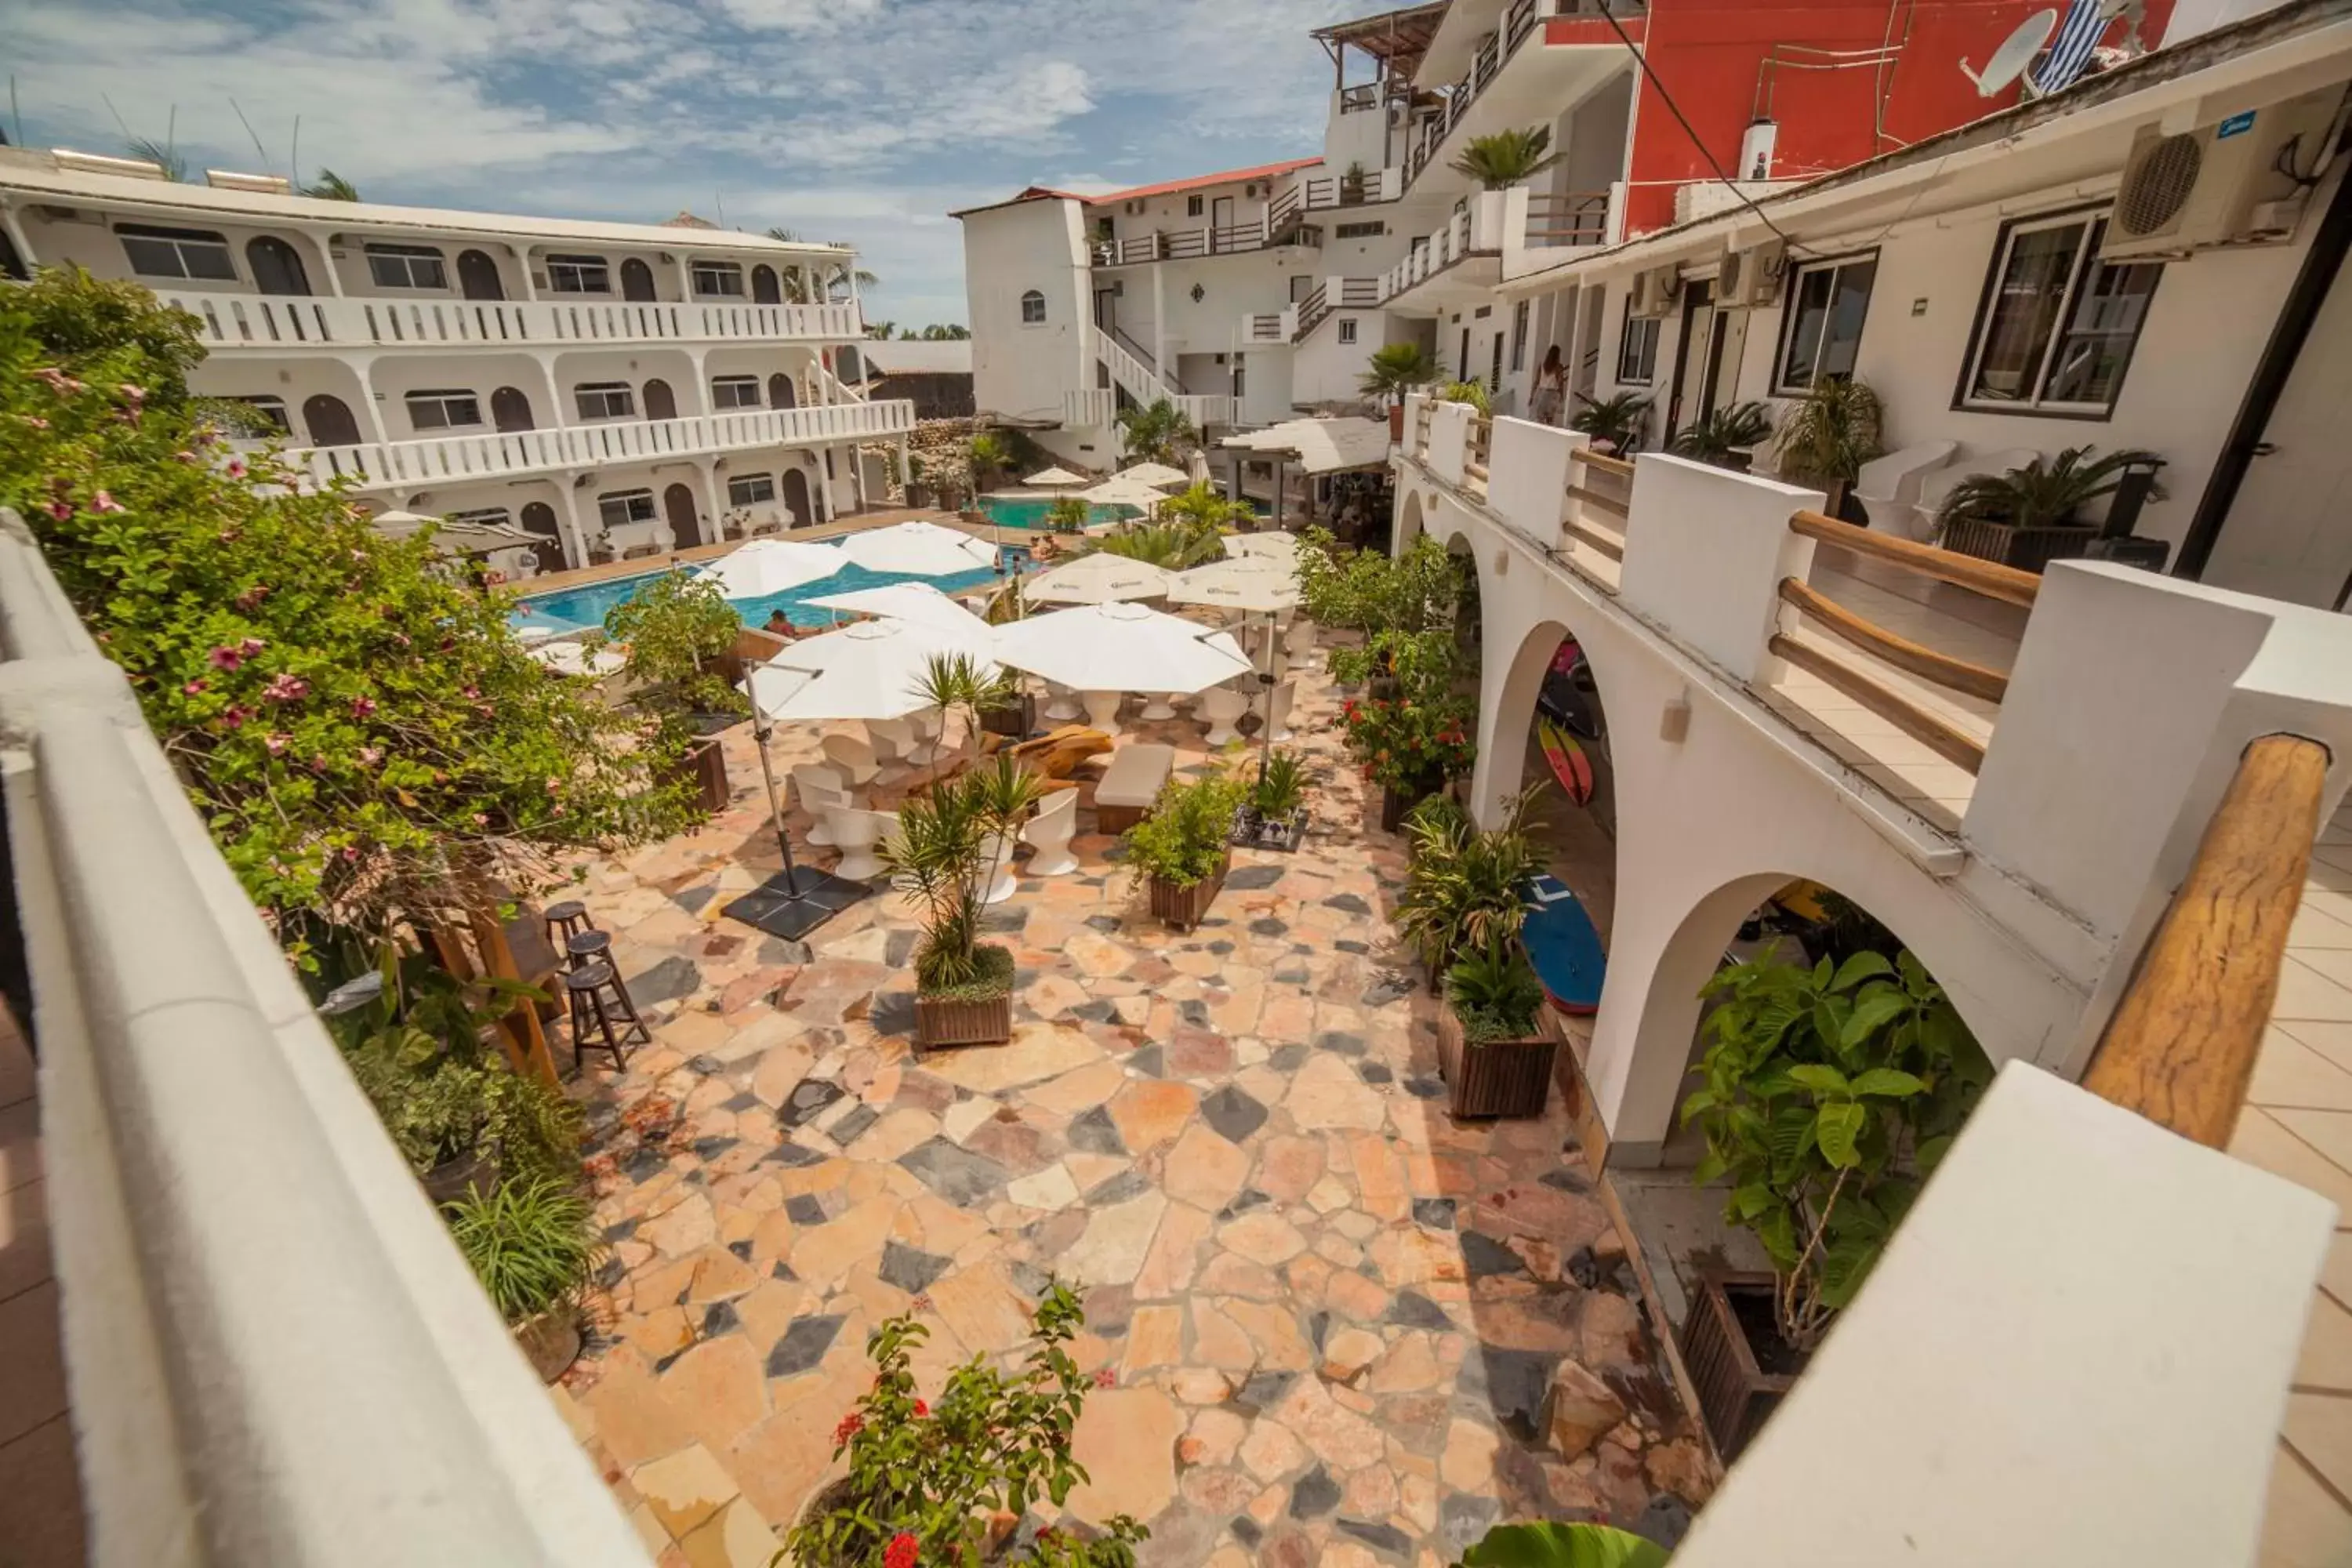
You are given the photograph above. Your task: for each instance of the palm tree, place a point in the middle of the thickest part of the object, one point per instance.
(954, 682)
(990, 457)
(1506, 158)
(1395, 370)
(1171, 546)
(147, 150)
(944, 855)
(1160, 434)
(330, 187)
(948, 333)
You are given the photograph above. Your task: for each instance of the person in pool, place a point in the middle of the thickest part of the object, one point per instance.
(781, 624)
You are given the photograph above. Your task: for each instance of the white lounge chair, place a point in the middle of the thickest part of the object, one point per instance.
(1939, 485)
(1130, 784)
(857, 833)
(1049, 833)
(1277, 712)
(1219, 706)
(820, 791)
(853, 758)
(1888, 487)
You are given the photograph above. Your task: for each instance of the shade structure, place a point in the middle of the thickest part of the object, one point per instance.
(1119, 648)
(1254, 584)
(873, 670)
(919, 550)
(1099, 579)
(766, 566)
(916, 603)
(454, 537)
(1159, 476)
(1052, 479)
(1271, 545)
(1121, 490)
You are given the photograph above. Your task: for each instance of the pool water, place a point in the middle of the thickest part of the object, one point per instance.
(577, 609)
(1029, 511)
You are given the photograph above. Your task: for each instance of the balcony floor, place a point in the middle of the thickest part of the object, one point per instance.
(40, 1490)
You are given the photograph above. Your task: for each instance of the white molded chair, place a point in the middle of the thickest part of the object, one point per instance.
(1061, 702)
(894, 739)
(857, 833)
(929, 728)
(820, 791)
(1002, 884)
(1102, 710)
(1298, 644)
(853, 758)
(1049, 833)
(1888, 487)
(1219, 706)
(1277, 720)
(1157, 705)
(1938, 484)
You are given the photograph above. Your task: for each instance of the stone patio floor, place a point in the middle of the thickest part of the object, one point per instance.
(1322, 1315)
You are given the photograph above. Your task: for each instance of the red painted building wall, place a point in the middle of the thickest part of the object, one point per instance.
(1710, 55)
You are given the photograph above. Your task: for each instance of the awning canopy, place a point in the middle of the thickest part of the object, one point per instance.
(1321, 445)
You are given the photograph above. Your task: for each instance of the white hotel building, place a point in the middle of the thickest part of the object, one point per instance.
(614, 388)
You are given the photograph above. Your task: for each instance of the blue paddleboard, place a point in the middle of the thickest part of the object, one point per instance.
(1563, 946)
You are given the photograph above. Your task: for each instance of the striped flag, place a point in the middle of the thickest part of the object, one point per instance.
(2069, 51)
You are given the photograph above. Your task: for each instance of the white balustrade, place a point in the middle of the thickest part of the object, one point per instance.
(280, 322)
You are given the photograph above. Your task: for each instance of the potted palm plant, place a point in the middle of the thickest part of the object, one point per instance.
(534, 1246)
(1272, 813)
(918, 492)
(1467, 886)
(2029, 517)
(1394, 370)
(675, 633)
(1159, 433)
(1181, 850)
(1829, 435)
(1068, 514)
(1726, 438)
(1506, 158)
(1615, 422)
(1351, 185)
(991, 460)
(1550, 1544)
(1496, 1037)
(944, 855)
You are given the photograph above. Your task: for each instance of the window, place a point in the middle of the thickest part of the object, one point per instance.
(2058, 325)
(722, 278)
(1191, 206)
(1637, 349)
(1372, 231)
(1520, 336)
(735, 391)
(1826, 307)
(1032, 309)
(273, 409)
(407, 266)
(605, 400)
(1240, 376)
(621, 507)
(176, 252)
(578, 275)
(443, 410)
(1347, 328)
(751, 490)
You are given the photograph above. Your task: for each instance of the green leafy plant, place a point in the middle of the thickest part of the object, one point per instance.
(1494, 991)
(923, 1478)
(1174, 546)
(1467, 886)
(1351, 185)
(1829, 1094)
(944, 856)
(1184, 841)
(1831, 433)
(1506, 158)
(363, 734)
(1200, 509)
(956, 683)
(991, 458)
(1396, 369)
(1369, 591)
(671, 632)
(2045, 493)
(1158, 433)
(1473, 392)
(532, 1244)
(1546, 1543)
(1737, 428)
(1068, 514)
(330, 187)
(1280, 787)
(1617, 421)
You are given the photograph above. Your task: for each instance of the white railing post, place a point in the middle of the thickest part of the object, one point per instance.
(1705, 550)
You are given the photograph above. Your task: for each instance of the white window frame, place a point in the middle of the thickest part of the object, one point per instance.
(1786, 385)
(447, 406)
(737, 490)
(718, 280)
(407, 260)
(1039, 318)
(570, 274)
(1347, 328)
(721, 385)
(628, 502)
(1194, 206)
(182, 244)
(2080, 271)
(274, 407)
(607, 392)
(1644, 331)
(1372, 231)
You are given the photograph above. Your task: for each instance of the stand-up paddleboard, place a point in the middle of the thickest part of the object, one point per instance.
(1568, 764)
(1563, 946)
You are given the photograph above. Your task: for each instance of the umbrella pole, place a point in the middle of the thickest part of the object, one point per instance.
(775, 805)
(1265, 689)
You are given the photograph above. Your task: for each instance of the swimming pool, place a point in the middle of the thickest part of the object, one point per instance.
(1029, 511)
(577, 609)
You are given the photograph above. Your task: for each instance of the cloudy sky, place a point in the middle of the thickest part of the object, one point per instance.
(864, 121)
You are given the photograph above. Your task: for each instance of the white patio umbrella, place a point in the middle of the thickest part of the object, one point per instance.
(1254, 584)
(1054, 479)
(919, 550)
(1272, 545)
(1158, 475)
(1121, 490)
(871, 670)
(766, 566)
(1107, 651)
(572, 657)
(919, 604)
(1098, 579)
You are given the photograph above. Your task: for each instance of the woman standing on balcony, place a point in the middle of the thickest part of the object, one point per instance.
(1551, 388)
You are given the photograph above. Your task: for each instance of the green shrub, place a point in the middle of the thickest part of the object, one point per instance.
(1494, 991)
(1184, 839)
(532, 1244)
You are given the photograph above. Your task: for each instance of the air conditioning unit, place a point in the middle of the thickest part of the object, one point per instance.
(2229, 175)
(1655, 291)
(1400, 111)
(1751, 277)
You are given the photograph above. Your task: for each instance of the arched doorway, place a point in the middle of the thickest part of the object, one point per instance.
(478, 276)
(795, 492)
(677, 506)
(539, 518)
(848, 365)
(764, 290)
(277, 266)
(660, 403)
(1408, 516)
(329, 420)
(510, 409)
(636, 280)
(782, 394)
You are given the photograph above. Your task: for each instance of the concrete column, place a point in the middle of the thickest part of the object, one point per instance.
(326, 244)
(857, 475)
(523, 260)
(576, 527)
(15, 233)
(820, 487)
(365, 366)
(556, 400)
(707, 525)
(696, 359)
(685, 279)
(1160, 322)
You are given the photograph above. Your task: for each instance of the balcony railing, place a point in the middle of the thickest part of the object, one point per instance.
(1493, 52)
(1335, 294)
(1570, 218)
(280, 322)
(1188, 244)
(1475, 229)
(452, 458)
(1266, 328)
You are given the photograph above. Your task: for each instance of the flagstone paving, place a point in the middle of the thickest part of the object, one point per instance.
(1322, 1314)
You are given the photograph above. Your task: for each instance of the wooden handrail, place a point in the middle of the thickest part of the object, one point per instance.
(1596, 539)
(1594, 498)
(1990, 578)
(1954, 746)
(2180, 1049)
(1604, 462)
(1905, 655)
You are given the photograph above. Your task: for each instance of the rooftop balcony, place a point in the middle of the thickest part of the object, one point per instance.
(403, 465)
(280, 324)
(1099, 408)
(1543, 56)
(1455, 265)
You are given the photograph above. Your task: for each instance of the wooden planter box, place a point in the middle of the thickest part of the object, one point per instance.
(1014, 721)
(1185, 908)
(943, 1021)
(2026, 549)
(552, 1340)
(1499, 1078)
(1393, 806)
(705, 765)
(1736, 1395)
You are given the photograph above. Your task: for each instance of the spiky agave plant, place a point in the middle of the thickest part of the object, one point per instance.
(944, 855)
(1507, 157)
(958, 683)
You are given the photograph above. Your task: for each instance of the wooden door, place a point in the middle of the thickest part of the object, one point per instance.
(329, 420)
(793, 487)
(678, 505)
(510, 409)
(660, 403)
(277, 266)
(764, 290)
(636, 280)
(1220, 222)
(782, 394)
(478, 276)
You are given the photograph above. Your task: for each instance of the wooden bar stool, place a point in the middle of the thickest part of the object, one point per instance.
(588, 985)
(584, 948)
(567, 920)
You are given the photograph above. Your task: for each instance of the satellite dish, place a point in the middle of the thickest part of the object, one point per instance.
(2010, 60)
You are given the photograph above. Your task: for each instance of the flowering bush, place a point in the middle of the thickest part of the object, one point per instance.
(1410, 745)
(927, 1483)
(362, 732)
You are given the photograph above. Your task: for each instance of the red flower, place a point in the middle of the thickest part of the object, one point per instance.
(286, 688)
(900, 1553)
(1106, 1378)
(921, 1409)
(252, 597)
(851, 1426)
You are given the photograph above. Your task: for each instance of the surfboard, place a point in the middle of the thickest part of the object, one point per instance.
(1568, 764)
(1564, 948)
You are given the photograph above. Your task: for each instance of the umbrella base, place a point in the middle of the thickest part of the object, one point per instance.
(790, 904)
